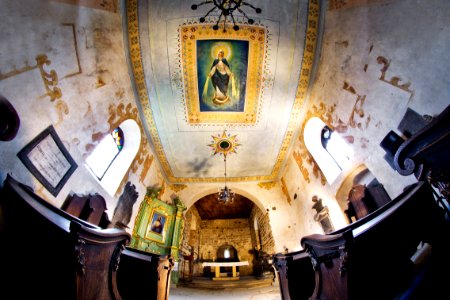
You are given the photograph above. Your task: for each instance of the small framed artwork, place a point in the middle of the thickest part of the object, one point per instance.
(156, 229)
(48, 160)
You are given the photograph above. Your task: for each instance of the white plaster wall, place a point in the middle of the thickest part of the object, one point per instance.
(302, 212)
(415, 37)
(29, 28)
(402, 32)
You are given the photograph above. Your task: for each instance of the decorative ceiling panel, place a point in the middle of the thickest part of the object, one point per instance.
(266, 67)
(249, 55)
(244, 51)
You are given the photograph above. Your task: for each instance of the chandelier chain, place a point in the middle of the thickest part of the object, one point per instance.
(225, 195)
(226, 9)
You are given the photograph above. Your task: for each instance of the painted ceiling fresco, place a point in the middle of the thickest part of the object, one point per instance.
(193, 83)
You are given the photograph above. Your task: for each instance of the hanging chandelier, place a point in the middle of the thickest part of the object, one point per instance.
(225, 195)
(226, 9)
(224, 144)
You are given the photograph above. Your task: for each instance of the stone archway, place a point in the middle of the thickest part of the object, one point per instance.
(211, 228)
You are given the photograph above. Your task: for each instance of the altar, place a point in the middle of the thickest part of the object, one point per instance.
(217, 266)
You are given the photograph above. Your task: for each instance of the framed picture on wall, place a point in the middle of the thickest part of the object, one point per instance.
(156, 228)
(48, 160)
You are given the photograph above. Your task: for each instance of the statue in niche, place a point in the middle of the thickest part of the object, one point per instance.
(322, 215)
(124, 208)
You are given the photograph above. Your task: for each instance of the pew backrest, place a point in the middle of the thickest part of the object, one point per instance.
(295, 275)
(371, 257)
(51, 254)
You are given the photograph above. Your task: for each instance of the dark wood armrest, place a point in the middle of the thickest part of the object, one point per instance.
(326, 242)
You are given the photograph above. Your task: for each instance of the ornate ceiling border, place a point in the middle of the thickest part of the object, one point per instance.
(301, 94)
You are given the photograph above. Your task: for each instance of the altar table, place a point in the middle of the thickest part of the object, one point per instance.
(217, 266)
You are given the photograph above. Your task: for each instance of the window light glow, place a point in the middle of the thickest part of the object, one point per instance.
(102, 156)
(339, 150)
(329, 150)
(109, 164)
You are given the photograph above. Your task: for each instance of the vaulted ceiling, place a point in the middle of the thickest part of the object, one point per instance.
(171, 54)
(209, 208)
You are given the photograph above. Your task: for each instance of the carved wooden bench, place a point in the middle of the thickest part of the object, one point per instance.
(371, 258)
(47, 253)
(295, 275)
(143, 275)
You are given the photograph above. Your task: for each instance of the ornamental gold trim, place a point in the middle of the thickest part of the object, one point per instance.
(177, 187)
(303, 84)
(256, 36)
(143, 98)
(134, 46)
(267, 185)
(224, 144)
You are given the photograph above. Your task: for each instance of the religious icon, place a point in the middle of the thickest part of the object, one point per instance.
(222, 74)
(157, 222)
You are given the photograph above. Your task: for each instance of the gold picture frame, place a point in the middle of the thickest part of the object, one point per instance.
(157, 226)
(193, 34)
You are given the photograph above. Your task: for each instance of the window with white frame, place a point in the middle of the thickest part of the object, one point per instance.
(113, 156)
(329, 150)
(105, 153)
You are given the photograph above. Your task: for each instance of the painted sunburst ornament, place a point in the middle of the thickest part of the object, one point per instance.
(224, 144)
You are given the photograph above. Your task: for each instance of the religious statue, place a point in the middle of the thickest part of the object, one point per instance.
(318, 206)
(124, 208)
(322, 215)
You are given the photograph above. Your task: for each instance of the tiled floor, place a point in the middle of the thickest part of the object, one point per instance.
(266, 293)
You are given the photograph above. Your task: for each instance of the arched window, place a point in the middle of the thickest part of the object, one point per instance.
(112, 157)
(226, 253)
(105, 153)
(336, 147)
(329, 150)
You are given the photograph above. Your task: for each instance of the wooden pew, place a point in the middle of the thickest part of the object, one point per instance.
(47, 253)
(295, 275)
(143, 275)
(91, 208)
(370, 259)
(426, 155)
(374, 252)
(165, 266)
(427, 150)
(293, 283)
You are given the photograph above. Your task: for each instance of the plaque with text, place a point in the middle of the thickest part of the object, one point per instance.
(48, 160)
